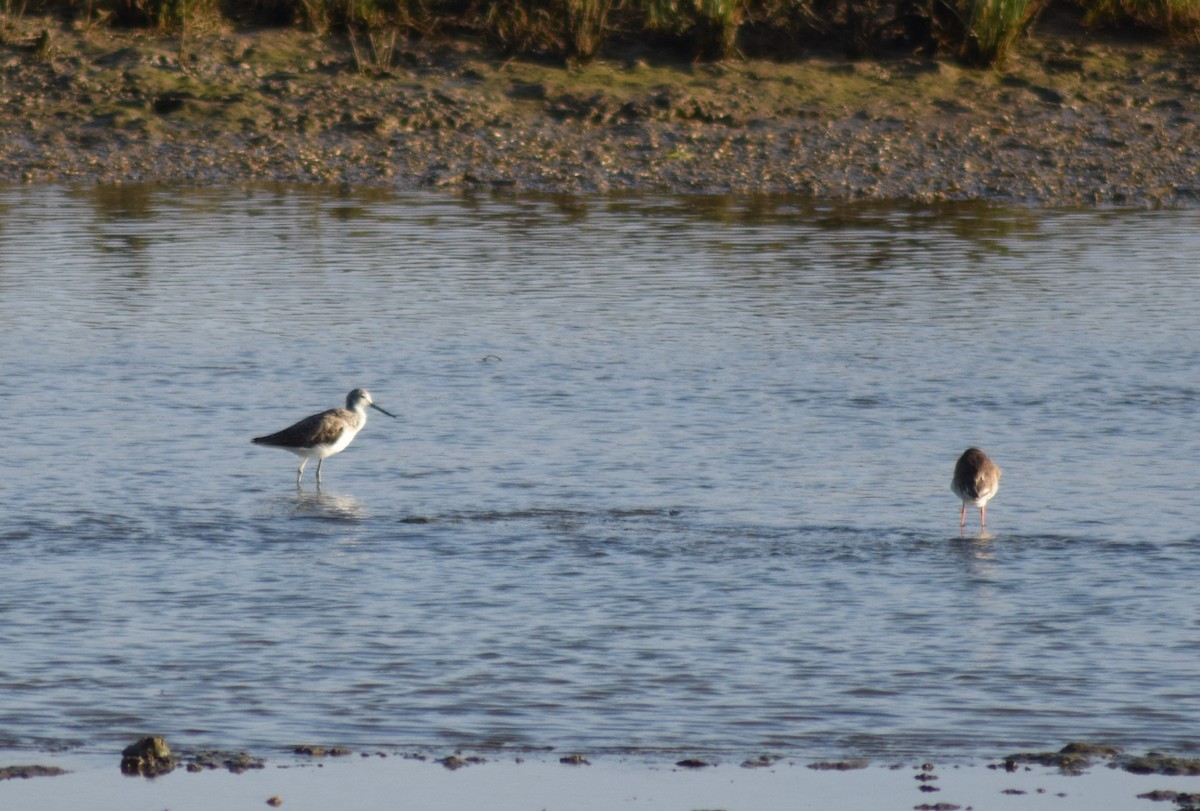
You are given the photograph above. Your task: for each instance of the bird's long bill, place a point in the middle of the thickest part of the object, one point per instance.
(384, 410)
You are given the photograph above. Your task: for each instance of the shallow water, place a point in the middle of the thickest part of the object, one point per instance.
(668, 474)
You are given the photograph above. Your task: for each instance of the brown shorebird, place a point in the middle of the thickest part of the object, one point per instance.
(324, 434)
(976, 480)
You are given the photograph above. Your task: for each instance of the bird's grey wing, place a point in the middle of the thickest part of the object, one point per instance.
(319, 429)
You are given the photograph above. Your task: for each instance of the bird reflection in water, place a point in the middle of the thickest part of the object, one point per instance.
(322, 504)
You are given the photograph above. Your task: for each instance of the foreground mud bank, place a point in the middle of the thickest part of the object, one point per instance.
(373, 780)
(1076, 120)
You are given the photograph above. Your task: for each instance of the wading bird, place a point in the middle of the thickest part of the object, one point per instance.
(976, 480)
(324, 434)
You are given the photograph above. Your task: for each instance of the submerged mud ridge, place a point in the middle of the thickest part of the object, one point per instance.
(1075, 758)
(1078, 776)
(26, 772)
(1074, 120)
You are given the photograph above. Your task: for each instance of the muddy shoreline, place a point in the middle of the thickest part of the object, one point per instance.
(1080, 776)
(1073, 120)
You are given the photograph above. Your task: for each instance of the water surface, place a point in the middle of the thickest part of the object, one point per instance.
(668, 474)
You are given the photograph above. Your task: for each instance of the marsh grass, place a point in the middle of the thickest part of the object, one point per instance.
(522, 27)
(585, 26)
(993, 26)
(166, 15)
(1171, 17)
(979, 32)
(712, 25)
(571, 29)
(717, 23)
(11, 14)
(315, 14)
(12, 9)
(375, 57)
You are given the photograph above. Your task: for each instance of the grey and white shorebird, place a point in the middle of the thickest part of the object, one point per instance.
(322, 435)
(976, 480)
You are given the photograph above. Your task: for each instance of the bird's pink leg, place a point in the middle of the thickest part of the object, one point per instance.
(983, 516)
(962, 521)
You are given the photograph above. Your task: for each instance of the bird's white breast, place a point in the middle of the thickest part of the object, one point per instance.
(339, 444)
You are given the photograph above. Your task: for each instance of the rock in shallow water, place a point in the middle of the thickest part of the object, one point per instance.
(149, 757)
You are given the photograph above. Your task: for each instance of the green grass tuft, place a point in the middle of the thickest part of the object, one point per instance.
(992, 26)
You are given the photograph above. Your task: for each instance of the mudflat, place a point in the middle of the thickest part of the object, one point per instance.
(1073, 118)
(376, 779)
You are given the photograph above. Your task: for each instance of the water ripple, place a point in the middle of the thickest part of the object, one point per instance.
(699, 499)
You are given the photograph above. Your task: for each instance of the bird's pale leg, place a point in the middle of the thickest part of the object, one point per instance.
(983, 516)
(320, 462)
(962, 521)
(300, 471)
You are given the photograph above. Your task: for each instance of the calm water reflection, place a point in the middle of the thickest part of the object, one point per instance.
(668, 473)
